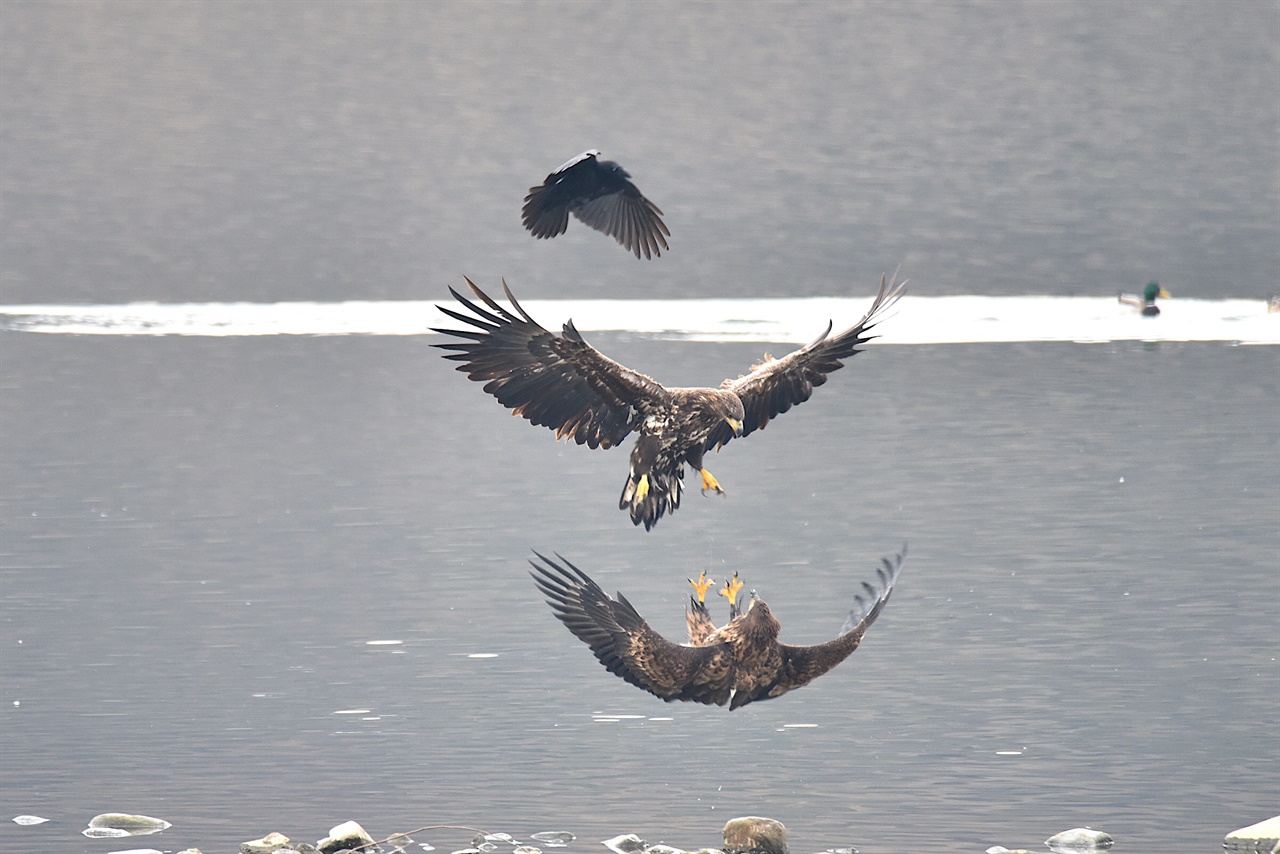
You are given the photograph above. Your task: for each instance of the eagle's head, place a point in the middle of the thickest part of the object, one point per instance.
(758, 621)
(729, 407)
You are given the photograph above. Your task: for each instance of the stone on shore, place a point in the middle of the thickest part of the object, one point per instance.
(113, 825)
(265, 845)
(627, 843)
(752, 834)
(349, 834)
(1079, 839)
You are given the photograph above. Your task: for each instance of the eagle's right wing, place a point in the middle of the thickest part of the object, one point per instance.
(556, 381)
(626, 645)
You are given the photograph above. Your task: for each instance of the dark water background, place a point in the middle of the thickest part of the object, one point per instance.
(200, 536)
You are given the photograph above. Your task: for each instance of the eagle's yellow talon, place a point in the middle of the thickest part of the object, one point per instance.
(731, 588)
(709, 482)
(702, 585)
(642, 487)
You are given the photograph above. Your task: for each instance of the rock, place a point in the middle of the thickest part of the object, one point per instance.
(265, 845)
(349, 834)
(135, 825)
(1000, 849)
(752, 834)
(110, 825)
(28, 820)
(660, 849)
(1263, 836)
(190, 851)
(554, 838)
(628, 843)
(1079, 839)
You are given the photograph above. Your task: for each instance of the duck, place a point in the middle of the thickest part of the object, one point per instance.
(1147, 302)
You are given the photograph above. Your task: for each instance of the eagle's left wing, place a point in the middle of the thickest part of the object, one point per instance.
(802, 664)
(776, 385)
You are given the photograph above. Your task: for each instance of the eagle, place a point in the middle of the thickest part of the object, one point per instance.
(600, 193)
(739, 663)
(562, 382)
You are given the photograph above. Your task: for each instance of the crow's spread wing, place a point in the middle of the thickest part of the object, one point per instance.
(628, 218)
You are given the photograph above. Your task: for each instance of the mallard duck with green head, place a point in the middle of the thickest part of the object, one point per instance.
(1146, 302)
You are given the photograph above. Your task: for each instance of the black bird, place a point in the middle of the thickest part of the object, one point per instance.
(600, 193)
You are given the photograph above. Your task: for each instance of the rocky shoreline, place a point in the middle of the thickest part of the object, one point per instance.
(743, 835)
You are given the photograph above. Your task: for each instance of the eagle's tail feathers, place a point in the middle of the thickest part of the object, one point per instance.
(648, 496)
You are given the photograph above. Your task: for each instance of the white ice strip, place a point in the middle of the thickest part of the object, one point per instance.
(914, 320)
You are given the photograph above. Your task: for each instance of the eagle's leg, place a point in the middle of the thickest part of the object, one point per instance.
(694, 458)
(702, 585)
(642, 487)
(730, 591)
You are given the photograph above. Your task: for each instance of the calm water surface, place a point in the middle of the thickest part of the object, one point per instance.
(203, 536)
(199, 538)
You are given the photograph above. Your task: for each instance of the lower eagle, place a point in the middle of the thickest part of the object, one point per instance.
(562, 382)
(738, 663)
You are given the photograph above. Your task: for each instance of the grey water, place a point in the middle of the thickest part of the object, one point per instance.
(202, 539)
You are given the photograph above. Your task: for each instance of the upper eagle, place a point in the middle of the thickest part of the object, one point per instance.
(600, 193)
(562, 382)
(738, 663)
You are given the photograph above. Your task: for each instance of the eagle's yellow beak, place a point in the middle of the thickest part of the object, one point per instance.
(736, 425)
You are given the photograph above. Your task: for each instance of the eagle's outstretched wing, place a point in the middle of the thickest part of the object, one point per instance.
(776, 385)
(556, 381)
(626, 645)
(802, 664)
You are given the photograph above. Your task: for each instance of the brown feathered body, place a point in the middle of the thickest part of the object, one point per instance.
(563, 383)
(671, 436)
(739, 663)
